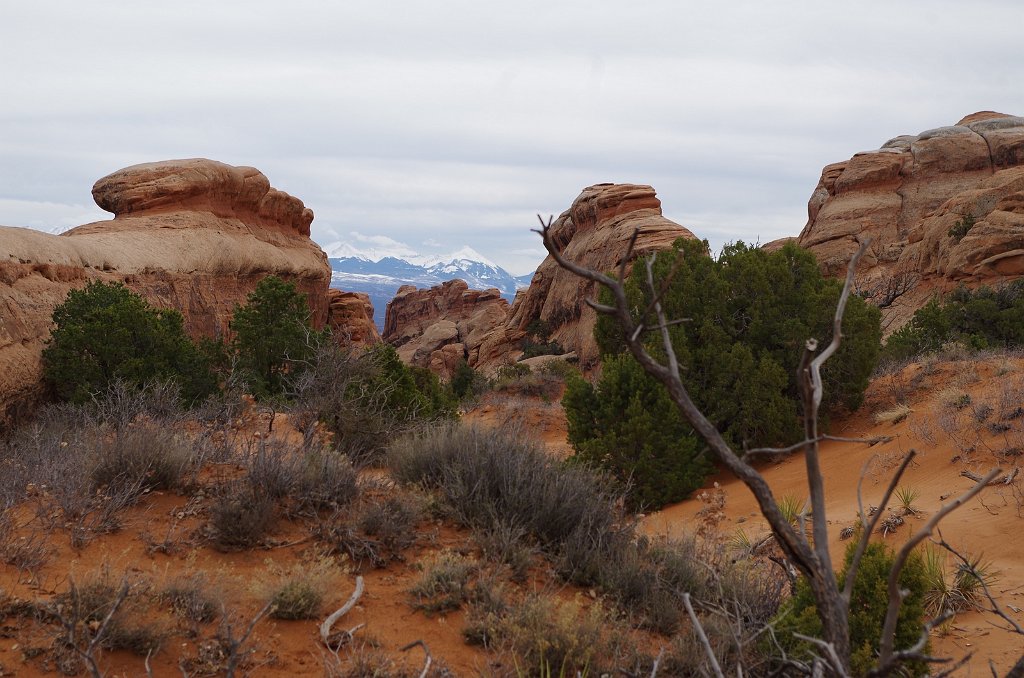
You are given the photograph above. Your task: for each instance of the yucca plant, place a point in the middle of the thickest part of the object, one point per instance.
(971, 579)
(905, 497)
(791, 506)
(938, 595)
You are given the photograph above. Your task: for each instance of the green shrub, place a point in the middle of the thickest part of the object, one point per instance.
(868, 604)
(466, 382)
(982, 318)
(749, 314)
(629, 426)
(273, 335)
(366, 398)
(961, 228)
(105, 332)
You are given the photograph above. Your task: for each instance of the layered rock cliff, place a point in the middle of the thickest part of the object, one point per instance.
(350, 317)
(434, 327)
(441, 326)
(193, 235)
(595, 233)
(908, 195)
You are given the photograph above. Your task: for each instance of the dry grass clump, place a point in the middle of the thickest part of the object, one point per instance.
(547, 637)
(893, 415)
(241, 517)
(444, 584)
(516, 496)
(953, 398)
(298, 591)
(192, 598)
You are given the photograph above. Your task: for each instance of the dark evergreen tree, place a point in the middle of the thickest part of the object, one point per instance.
(748, 314)
(273, 335)
(106, 332)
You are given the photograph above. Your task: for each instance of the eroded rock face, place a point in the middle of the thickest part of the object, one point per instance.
(595, 233)
(438, 327)
(193, 235)
(434, 328)
(909, 193)
(350, 317)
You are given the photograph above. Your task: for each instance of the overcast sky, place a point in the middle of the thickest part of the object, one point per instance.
(443, 123)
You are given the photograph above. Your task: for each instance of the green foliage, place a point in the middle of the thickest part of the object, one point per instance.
(749, 314)
(273, 335)
(980, 319)
(105, 333)
(961, 228)
(868, 604)
(466, 382)
(629, 426)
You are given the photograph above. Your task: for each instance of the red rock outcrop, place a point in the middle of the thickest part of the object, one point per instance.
(350, 317)
(438, 327)
(594, 232)
(193, 235)
(909, 193)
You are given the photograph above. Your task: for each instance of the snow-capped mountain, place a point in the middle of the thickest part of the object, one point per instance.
(380, 275)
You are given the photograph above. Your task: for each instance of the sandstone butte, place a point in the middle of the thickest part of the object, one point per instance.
(907, 195)
(193, 235)
(438, 327)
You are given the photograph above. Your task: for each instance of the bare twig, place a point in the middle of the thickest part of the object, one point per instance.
(233, 645)
(869, 526)
(702, 637)
(427, 660)
(325, 627)
(1001, 480)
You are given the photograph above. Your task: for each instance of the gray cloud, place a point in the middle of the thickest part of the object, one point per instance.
(455, 122)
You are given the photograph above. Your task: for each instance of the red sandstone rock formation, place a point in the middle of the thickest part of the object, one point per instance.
(594, 232)
(350, 317)
(438, 327)
(906, 195)
(194, 235)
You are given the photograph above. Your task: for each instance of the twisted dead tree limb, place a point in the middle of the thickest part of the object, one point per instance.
(1001, 480)
(325, 627)
(888, 659)
(427, 659)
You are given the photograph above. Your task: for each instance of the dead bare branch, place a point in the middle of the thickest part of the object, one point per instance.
(886, 656)
(1001, 480)
(233, 645)
(325, 627)
(869, 526)
(427, 660)
(702, 637)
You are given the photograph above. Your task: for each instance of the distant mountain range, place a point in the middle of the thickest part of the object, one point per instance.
(380, 277)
